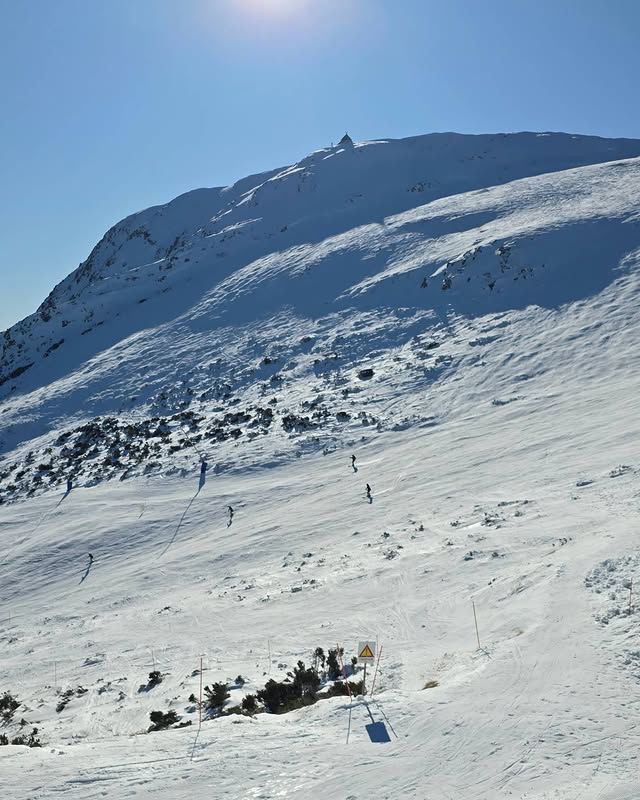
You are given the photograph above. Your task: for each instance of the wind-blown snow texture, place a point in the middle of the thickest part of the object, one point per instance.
(461, 313)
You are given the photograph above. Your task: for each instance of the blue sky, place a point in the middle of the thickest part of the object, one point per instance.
(109, 106)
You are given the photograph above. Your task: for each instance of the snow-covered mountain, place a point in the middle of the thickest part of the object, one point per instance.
(252, 309)
(460, 313)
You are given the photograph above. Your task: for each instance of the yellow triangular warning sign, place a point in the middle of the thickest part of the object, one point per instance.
(365, 652)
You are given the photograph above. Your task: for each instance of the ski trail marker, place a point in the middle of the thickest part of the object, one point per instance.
(367, 652)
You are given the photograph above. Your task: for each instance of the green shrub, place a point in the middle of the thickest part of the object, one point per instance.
(249, 703)
(8, 706)
(340, 688)
(305, 681)
(333, 664)
(155, 678)
(30, 741)
(302, 690)
(216, 696)
(162, 719)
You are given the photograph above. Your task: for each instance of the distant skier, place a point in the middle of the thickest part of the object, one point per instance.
(203, 467)
(353, 461)
(368, 492)
(90, 559)
(230, 513)
(69, 484)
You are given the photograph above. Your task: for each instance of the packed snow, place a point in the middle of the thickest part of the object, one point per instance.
(461, 315)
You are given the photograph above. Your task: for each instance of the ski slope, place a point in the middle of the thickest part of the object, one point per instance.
(498, 311)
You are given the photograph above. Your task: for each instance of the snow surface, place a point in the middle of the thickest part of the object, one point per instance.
(491, 284)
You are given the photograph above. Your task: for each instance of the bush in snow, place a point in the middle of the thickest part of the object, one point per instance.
(8, 706)
(277, 697)
(333, 664)
(155, 678)
(29, 741)
(302, 690)
(341, 688)
(250, 703)
(216, 696)
(162, 719)
(305, 681)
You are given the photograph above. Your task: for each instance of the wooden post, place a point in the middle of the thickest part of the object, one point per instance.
(375, 674)
(200, 702)
(475, 619)
(364, 681)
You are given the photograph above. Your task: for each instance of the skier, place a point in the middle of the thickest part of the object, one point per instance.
(90, 559)
(368, 491)
(353, 461)
(230, 513)
(203, 467)
(69, 484)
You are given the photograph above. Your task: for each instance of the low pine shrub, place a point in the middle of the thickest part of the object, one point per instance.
(155, 678)
(162, 719)
(215, 695)
(30, 741)
(8, 706)
(250, 703)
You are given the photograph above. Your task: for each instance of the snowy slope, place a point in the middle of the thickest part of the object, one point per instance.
(491, 285)
(280, 288)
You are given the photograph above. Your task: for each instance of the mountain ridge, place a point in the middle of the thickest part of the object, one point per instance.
(292, 280)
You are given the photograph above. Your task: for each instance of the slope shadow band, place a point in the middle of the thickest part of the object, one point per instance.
(63, 498)
(184, 514)
(88, 570)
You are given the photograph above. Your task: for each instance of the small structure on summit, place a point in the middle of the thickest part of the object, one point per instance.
(346, 139)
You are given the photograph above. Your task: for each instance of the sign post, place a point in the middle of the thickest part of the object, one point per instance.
(366, 655)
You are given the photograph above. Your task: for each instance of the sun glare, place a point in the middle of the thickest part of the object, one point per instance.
(273, 7)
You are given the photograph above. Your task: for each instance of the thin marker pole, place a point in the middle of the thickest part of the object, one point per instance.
(630, 594)
(475, 619)
(375, 674)
(269, 649)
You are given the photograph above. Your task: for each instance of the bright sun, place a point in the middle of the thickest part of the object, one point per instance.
(274, 6)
